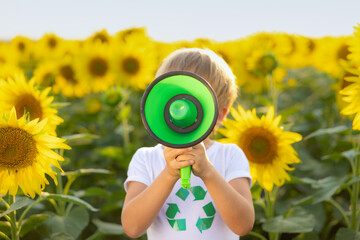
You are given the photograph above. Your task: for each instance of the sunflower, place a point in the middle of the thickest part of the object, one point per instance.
(351, 95)
(10, 70)
(354, 56)
(94, 66)
(245, 78)
(134, 64)
(45, 73)
(133, 34)
(67, 82)
(49, 46)
(262, 63)
(101, 37)
(23, 45)
(8, 56)
(291, 50)
(17, 92)
(267, 147)
(26, 154)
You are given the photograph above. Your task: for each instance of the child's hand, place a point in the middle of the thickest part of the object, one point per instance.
(174, 163)
(201, 165)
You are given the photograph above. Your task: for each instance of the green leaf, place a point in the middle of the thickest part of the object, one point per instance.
(20, 203)
(350, 154)
(125, 112)
(60, 104)
(325, 131)
(61, 236)
(80, 139)
(298, 220)
(327, 187)
(256, 191)
(351, 182)
(108, 228)
(346, 233)
(307, 236)
(112, 152)
(92, 192)
(81, 172)
(32, 223)
(70, 225)
(302, 201)
(69, 198)
(5, 228)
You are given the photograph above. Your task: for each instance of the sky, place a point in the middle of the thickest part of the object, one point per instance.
(169, 20)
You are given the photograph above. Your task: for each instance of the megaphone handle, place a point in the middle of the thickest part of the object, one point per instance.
(185, 173)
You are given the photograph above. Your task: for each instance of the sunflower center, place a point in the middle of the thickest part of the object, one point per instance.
(259, 145)
(27, 103)
(52, 43)
(292, 45)
(21, 46)
(47, 79)
(311, 45)
(98, 67)
(17, 148)
(68, 73)
(343, 52)
(102, 37)
(266, 64)
(131, 65)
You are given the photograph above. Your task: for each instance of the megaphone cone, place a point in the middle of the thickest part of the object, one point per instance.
(179, 109)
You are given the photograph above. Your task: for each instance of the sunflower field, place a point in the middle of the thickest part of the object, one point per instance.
(70, 123)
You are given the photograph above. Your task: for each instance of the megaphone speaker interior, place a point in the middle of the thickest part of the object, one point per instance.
(179, 109)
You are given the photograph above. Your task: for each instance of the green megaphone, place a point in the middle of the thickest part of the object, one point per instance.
(179, 109)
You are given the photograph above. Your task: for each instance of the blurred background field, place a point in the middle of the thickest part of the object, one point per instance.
(97, 83)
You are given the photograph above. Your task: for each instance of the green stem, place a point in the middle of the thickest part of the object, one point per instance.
(341, 210)
(3, 235)
(68, 184)
(125, 123)
(258, 235)
(8, 218)
(26, 211)
(60, 187)
(60, 190)
(68, 209)
(262, 204)
(273, 92)
(94, 236)
(355, 194)
(270, 198)
(5, 203)
(14, 234)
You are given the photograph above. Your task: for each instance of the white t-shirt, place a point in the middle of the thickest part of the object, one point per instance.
(189, 213)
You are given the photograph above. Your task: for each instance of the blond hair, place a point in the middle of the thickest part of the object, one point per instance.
(208, 65)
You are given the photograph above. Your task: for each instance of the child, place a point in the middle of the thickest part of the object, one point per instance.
(218, 205)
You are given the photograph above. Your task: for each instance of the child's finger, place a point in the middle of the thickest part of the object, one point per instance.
(184, 157)
(172, 153)
(184, 164)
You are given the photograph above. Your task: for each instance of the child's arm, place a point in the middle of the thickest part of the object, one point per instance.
(232, 199)
(143, 203)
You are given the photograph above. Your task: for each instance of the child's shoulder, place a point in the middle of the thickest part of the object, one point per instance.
(149, 152)
(226, 146)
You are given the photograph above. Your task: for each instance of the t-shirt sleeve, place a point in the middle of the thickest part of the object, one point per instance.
(238, 165)
(137, 170)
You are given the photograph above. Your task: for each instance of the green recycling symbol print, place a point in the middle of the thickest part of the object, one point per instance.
(202, 223)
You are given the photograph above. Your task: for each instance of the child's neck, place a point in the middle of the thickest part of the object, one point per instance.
(208, 142)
